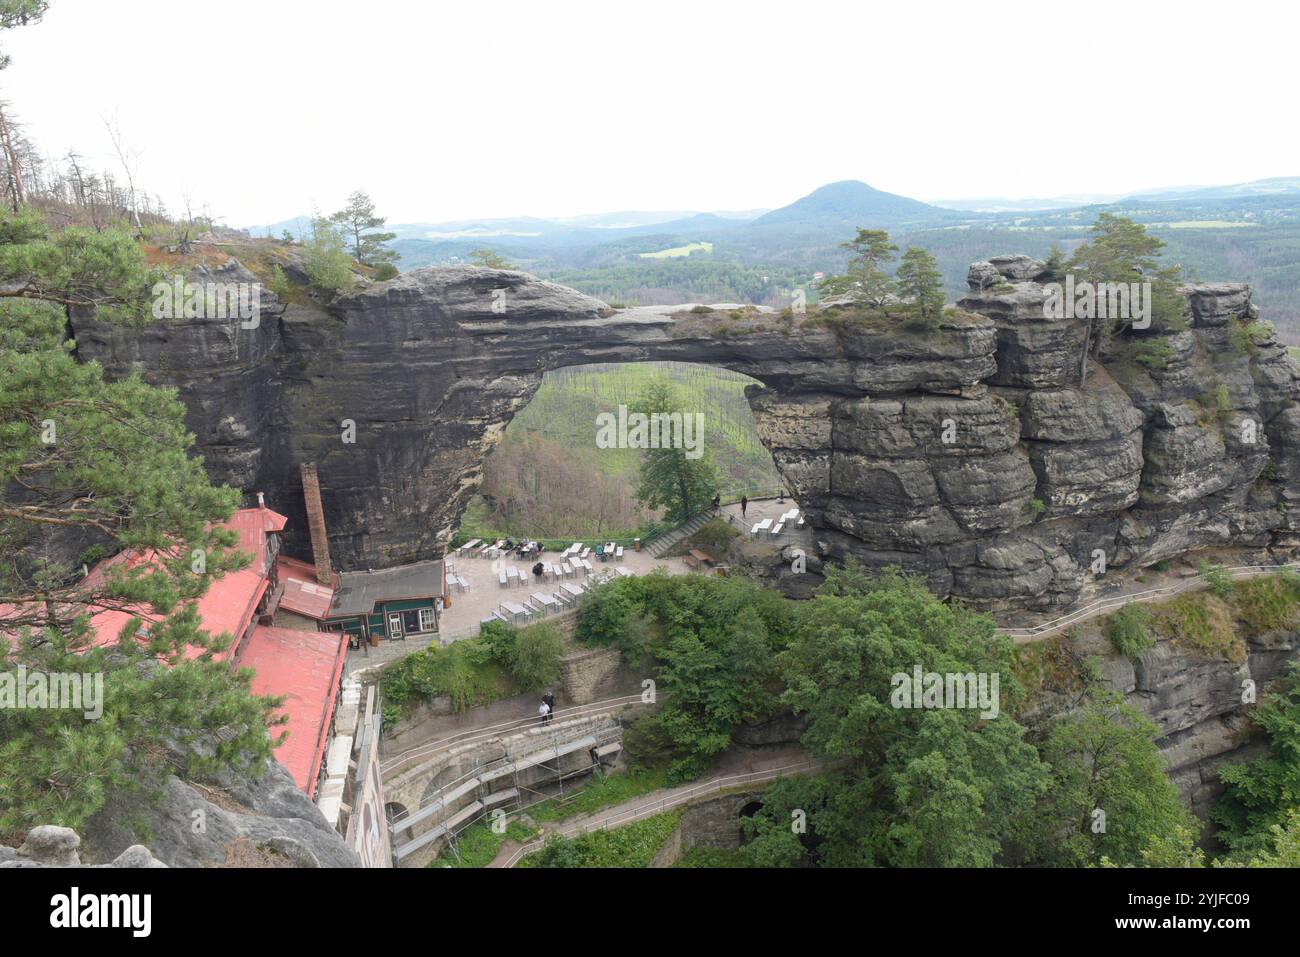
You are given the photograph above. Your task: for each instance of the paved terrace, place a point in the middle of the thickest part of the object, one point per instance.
(485, 593)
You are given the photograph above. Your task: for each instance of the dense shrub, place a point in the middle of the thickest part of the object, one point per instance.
(716, 536)
(714, 641)
(1128, 630)
(537, 656)
(501, 661)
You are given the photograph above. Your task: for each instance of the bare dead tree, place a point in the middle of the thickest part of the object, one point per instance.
(13, 169)
(129, 161)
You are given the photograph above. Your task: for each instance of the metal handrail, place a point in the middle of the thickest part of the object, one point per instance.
(651, 808)
(398, 823)
(1151, 594)
(469, 735)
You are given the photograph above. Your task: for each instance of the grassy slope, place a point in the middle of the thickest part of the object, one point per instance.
(557, 432)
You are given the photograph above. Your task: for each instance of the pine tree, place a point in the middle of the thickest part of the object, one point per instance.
(865, 279)
(357, 219)
(669, 478)
(920, 283)
(102, 467)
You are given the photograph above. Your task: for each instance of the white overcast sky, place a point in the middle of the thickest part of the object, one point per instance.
(264, 109)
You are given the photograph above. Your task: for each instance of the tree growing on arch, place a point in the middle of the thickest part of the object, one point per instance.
(865, 277)
(669, 477)
(358, 220)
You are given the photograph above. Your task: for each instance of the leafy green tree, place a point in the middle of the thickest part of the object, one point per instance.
(102, 467)
(1263, 792)
(670, 478)
(537, 656)
(1110, 797)
(919, 281)
(327, 264)
(1285, 845)
(907, 787)
(357, 220)
(714, 642)
(865, 277)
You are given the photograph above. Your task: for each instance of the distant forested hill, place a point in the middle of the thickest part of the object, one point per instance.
(1249, 232)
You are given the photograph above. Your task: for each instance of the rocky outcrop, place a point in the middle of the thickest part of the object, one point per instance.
(971, 454)
(1196, 702)
(52, 846)
(235, 820)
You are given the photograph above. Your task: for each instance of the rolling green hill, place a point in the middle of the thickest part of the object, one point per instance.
(547, 479)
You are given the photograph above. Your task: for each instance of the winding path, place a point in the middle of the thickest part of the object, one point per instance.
(787, 763)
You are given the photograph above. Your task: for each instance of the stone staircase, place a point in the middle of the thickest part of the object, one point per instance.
(661, 544)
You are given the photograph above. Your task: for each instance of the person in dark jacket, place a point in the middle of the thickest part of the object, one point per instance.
(744, 504)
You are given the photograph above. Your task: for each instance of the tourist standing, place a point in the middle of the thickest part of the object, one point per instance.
(744, 504)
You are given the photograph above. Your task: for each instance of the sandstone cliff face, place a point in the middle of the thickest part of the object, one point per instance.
(1196, 701)
(970, 455)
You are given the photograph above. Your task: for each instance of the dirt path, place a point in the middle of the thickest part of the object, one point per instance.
(729, 767)
(1155, 586)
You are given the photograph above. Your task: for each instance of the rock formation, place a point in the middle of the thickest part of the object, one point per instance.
(52, 846)
(970, 455)
(235, 819)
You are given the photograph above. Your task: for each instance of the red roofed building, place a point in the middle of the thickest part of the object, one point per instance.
(304, 667)
(303, 594)
(232, 602)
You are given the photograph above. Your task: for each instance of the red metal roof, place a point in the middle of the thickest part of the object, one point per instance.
(253, 524)
(304, 667)
(230, 601)
(303, 594)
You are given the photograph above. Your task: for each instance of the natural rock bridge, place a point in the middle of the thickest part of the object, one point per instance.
(967, 454)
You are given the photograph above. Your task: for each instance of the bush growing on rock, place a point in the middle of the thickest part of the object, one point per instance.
(1129, 630)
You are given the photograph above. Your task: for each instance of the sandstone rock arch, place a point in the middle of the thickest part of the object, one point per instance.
(1039, 476)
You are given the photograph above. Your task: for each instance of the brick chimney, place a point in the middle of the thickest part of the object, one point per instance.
(320, 543)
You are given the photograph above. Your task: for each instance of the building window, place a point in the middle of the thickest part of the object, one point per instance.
(427, 620)
(395, 626)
